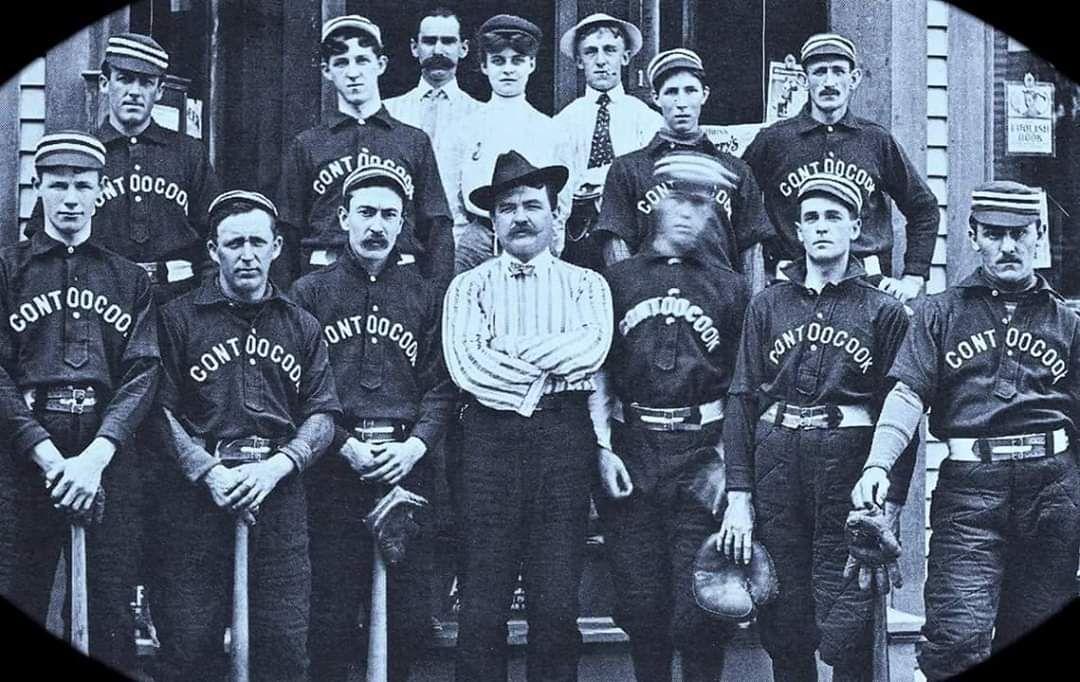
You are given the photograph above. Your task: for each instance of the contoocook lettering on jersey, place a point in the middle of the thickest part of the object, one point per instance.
(337, 169)
(1024, 342)
(137, 184)
(789, 184)
(373, 325)
(248, 348)
(655, 194)
(826, 335)
(42, 305)
(674, 307)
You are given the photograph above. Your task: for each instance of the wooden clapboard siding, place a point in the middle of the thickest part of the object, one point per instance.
(31, 128)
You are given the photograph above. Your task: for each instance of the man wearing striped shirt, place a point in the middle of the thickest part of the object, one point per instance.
(523, 335)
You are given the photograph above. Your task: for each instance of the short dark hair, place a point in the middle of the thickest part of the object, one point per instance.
(497, 41)
(552, 193)
(832, 197)
(40, 170)
(822, 57)
(665, 75)
(974, 223)
(107, 71)
(614, 28)
(346, 200)
(440, 11)
(237, 207)
(335, 43)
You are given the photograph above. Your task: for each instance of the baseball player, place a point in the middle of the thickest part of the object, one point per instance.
(359, 133)
(631, 193)
(508, 47)
(991, 357)
(808, 384)
(381, 320)
(678, 317)
(604, 123)
(825, 137)
(78, 371)
(247, 379)
(523, 334)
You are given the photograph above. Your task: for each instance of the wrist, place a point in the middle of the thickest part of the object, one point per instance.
(211, 474)
(738, 496)
(101, 451)
(417, 445)
(281, 464)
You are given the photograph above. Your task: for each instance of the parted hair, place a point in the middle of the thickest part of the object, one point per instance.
(237, 207)
(498, 41)
(335, 43)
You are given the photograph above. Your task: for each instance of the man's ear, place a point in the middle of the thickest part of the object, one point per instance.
(856, 229)
(211, 248)
(856, 77)
(103, 83)
(343, 216)
(160, 90)
(704, 93)
(464, 49)
(971, 237)
(325, 68)
(278, 241)
(413, 46)
(383, 61)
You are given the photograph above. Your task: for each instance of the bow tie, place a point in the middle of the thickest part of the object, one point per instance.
(521, 269)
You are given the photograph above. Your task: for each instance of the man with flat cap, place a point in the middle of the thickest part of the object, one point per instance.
(508, 46)
(382, 320)
(523, 335)
(360, 132)
(602, 124)
(248, 402)
(78, 371)
(658, 413)
(632, 193)
(991, 357)
(826, 137)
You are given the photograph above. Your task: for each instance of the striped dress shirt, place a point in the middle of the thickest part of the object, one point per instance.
(510, 339)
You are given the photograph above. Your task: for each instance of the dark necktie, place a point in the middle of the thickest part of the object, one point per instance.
(602, 153)
(521, 269)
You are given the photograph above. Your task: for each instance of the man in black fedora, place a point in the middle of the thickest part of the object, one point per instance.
(523, 335)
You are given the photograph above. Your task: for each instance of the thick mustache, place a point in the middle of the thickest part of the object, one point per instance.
(830, 91)
(437, 61)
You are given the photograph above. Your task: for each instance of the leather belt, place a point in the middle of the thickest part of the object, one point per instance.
(381, 430)
(161, 272)
(691, 418)
(245, 450)
(1009, 448)
(561, 400)
(871, 264)
(817, 416)
(69, 399)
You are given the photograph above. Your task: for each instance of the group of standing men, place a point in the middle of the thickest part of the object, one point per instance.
(639, 368)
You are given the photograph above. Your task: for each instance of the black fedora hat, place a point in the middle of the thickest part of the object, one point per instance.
(513, 170)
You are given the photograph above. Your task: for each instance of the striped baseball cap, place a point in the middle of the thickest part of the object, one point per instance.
(827, 44)
(354, 21)
(846, 191)
(691, 172)
(69, 148)
(226, 198)
(365, 174)
(136, 52)
(1005, 203)
(678, 58)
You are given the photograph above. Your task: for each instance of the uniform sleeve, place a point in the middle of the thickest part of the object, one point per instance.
(293, 198)
(437, 403)
(434, 222)
(317, 392)
(751, 223)
(917, 362)
(918, 204)
(140, 371)
(617, 207)
(16, 419)
(203, 188)
(892, 328)
(741, 412)
(754, 156)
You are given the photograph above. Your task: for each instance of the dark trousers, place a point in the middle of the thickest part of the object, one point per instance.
(524, 499)
(584, 246)
(1003, 556)
(191, 590)
(33, 533)
(651, 540)
(802, 496)
(341, 558)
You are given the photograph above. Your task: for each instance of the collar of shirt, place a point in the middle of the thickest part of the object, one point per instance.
(41, 243)
(354, 266)
(335, 119)
(210, 293)
(615, 93)
(544, 259)
(154, 133)
(980, 280)
(796, 272)
(450, 88)
(804, 122)
(649, 253)
(659, 145)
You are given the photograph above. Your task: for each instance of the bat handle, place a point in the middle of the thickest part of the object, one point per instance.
(239, 634)
(80, 629)
(377, 652)
(881, 636)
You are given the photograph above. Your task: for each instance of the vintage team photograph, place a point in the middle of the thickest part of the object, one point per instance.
(599, 340)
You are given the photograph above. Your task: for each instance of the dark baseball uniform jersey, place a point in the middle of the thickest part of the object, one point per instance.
(632, 193)
(318, 160)
(784, 154)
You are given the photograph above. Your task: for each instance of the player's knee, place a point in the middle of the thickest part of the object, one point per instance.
(941, 659)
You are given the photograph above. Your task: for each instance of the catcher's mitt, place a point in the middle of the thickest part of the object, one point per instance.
(872, 550)
(394, 522)
(731, 591)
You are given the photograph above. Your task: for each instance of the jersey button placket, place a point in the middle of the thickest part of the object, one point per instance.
(140, 208)
(76, 329)
(253, 383)
(1008, 376)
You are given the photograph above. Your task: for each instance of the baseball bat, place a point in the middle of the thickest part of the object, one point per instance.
(880, 659)
(239, 635)
(376, 656)
(80, 629)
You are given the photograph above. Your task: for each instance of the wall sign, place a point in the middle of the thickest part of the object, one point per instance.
(1029, 117)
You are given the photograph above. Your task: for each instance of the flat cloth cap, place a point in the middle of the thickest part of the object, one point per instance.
(136, 52)
(842, 189)
(568, 42)
(1005, 203)
(366, 174)
(827, 45)
(690, 172)
(508, 23)
(69, 148)
(668, 60)
(234, 195)
(353, 21)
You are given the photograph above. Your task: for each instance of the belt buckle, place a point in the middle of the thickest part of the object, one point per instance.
(806, 422)
(75, 402)
(151, 270)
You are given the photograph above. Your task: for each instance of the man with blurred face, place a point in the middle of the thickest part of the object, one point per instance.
(992, 359)
(602, 124)
(632, 193)
(826, 137)
(248, 401)
(360, 132)
(809, 381)
(523, 335)
(78, 372)
(381, 320)
(508, 47)
(437, 104)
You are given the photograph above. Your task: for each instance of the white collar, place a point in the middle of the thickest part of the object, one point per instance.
(541, 259)
(592, 95)
(518, 102)
(450, 87)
